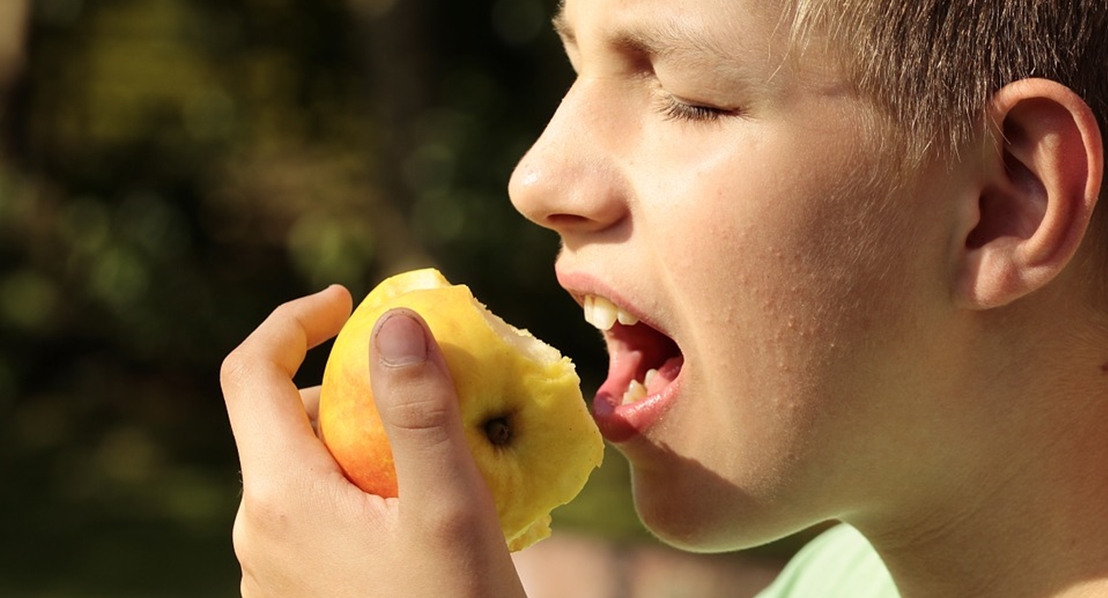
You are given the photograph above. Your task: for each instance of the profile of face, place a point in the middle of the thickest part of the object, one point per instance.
(768, 299)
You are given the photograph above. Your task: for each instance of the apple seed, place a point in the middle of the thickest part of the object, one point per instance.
(498, 431)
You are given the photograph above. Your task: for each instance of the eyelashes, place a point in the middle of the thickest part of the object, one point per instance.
(677, 110)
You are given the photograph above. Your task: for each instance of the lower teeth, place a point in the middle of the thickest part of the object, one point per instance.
(637, 390)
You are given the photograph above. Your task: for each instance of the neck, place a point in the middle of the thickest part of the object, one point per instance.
(1036, 534)
(1028, 517)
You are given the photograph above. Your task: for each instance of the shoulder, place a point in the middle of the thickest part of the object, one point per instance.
(839, 563)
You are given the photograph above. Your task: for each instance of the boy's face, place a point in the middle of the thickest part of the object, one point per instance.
(727, 198)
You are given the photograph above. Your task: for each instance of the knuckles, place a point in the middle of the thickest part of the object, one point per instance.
(240, 364)
(418, 413)
(235, 368)
(266, 511)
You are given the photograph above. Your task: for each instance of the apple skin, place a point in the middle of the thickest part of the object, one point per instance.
(525, 421)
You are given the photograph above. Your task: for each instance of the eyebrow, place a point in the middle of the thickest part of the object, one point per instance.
(656, 42)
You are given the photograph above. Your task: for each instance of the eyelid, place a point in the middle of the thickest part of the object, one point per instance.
(677, 109)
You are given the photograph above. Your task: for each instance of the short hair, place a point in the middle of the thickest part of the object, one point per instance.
(934, 64)
(931, 66)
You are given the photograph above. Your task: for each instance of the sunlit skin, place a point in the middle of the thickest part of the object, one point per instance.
(922, 353)
(849, 348)
(649, 204)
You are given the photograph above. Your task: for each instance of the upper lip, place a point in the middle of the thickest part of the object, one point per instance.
(581, 285)
(634, 351)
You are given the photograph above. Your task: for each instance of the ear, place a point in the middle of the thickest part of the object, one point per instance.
(1037, 196)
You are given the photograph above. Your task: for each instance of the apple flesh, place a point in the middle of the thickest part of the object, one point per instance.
(526, 423)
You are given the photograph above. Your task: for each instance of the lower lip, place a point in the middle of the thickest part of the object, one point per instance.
(621, 423)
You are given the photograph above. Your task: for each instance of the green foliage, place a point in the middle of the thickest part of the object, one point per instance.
(174, 169)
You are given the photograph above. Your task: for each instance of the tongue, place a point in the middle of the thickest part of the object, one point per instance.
(666, 374)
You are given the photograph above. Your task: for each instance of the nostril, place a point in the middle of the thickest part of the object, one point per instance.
(567, 221)
(567, 200)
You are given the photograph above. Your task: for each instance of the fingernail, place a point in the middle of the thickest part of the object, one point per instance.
(400, 340)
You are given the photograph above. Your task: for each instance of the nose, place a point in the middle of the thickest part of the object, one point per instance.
(570, 181)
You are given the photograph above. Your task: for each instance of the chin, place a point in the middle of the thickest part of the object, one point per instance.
(698, 511)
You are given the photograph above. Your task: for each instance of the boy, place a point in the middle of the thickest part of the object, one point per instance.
(860, 240)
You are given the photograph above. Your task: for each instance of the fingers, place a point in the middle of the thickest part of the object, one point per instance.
(419, 407)
(266, 411)
(298, 532)
(444, 503)
(310, 398)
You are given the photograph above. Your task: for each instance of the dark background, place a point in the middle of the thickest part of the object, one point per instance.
(170, 171)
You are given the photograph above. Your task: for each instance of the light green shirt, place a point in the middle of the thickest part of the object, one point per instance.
(839, 563)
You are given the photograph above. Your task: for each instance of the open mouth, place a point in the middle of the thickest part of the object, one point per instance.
(643, 362)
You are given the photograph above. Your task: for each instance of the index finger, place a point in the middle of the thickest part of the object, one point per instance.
(268, 419)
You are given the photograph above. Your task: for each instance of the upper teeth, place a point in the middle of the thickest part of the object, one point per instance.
(603, 314)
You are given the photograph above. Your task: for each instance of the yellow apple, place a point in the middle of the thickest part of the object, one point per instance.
(525, 420)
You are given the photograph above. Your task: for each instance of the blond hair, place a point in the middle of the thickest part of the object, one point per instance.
(932, 65)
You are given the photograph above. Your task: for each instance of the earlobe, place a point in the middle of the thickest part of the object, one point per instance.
(1037, 195)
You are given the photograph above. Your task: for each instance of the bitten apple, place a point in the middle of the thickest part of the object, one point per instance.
(525, 420)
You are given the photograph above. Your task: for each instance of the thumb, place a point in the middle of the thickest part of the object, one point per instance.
(415, 397)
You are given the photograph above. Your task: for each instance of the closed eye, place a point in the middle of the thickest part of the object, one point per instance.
(677, 110)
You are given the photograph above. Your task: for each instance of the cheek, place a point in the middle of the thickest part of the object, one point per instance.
(796, 282)
(791, 253)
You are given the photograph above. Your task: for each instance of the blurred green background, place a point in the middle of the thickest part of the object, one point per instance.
(170, 171)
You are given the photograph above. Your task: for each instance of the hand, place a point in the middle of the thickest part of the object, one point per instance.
(302, 529)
